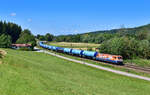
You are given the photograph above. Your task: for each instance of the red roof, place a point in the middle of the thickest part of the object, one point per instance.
(22, 45)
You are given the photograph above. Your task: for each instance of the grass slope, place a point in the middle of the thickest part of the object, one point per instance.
(31, 73)
(107, 65)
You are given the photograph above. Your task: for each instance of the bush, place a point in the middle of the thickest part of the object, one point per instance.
(5, 41)
(143, 49)
(27, 38)
(127, 47)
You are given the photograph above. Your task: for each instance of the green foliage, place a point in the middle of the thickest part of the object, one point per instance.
(143, 49)
(40, 37)
(10, 33)
(139, 33)
(86, 38)
(113, 46)
(128, 42)
(47, 37)
(5, 41)
(27, 37)
(11, 29)
(127, 47)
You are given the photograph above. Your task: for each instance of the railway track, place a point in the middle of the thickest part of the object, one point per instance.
(138, 68)
(128, 66)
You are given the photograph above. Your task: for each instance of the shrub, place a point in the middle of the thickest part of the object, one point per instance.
(5, 41)
(127, 47)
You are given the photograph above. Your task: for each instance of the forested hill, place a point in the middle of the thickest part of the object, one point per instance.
(100, 36)
(130, 30)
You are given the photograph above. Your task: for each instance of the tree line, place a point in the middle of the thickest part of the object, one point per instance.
(47, 37)
(129, 44)
(13, 33)
(100, 36)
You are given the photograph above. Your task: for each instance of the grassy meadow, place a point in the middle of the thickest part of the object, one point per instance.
(103, 64)
(83, 46)
(32, 73)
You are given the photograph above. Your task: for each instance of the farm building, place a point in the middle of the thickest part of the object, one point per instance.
(19, 46)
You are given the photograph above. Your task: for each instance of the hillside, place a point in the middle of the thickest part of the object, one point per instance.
(31, 73)
(130, 30)
(100, 36)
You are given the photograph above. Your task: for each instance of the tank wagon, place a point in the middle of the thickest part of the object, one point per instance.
(59, 49)
(116, 59)
(67, 50)
(76, 52)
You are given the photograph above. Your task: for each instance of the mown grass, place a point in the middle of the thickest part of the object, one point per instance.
(83, 46)
(31, 73)
(101, 64)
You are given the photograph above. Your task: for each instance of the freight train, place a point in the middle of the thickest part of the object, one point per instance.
(115, 59)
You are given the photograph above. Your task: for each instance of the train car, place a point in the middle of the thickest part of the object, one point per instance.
(109, 58)
(67, 50)
(40, 43)
(90, 54)
(53, 48)
(60, 49)
(49, 47)
(46, 46)
(77, 52)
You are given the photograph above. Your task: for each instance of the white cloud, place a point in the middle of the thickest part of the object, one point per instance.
(29, 20)
(13, 14)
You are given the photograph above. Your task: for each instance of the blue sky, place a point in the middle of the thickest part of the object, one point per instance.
(75, 16)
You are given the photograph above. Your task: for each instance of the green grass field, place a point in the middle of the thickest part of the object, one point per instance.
(83, 46)
(102, 64)
(31, 73)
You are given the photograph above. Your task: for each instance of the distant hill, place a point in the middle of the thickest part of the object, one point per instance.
(129, 30)
(100, 36)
